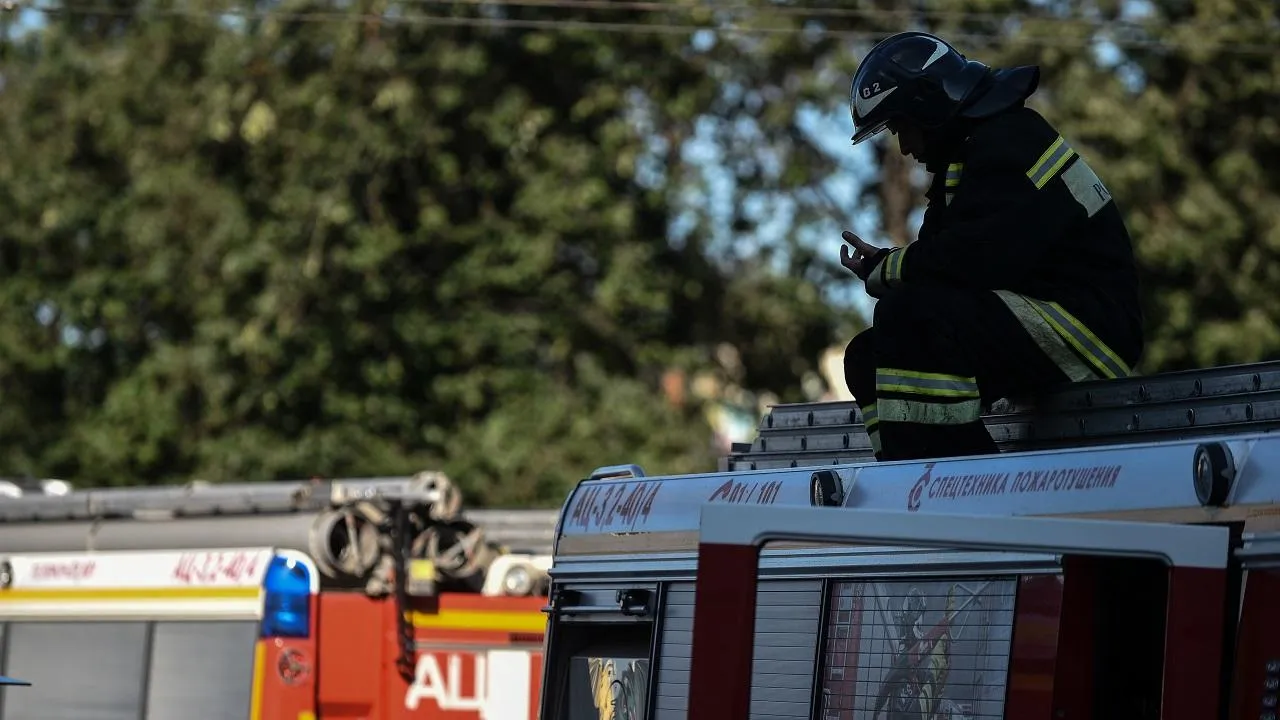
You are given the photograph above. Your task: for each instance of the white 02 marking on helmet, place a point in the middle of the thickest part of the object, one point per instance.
(865, 102)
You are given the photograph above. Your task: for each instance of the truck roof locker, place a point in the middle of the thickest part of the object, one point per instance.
(731, 539)
(1255, 672)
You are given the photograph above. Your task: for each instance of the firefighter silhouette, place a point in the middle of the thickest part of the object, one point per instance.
(912, 687)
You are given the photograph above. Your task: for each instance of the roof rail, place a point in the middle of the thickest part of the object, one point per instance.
(200, 498)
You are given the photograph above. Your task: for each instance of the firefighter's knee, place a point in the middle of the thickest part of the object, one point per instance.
(908, 309)
(859, 354)
(860, 365)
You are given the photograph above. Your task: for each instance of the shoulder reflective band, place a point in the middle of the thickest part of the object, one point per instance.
(1050, 162)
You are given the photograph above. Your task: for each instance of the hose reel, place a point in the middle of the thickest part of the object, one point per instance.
(346, 543)
(459, 552)
(357, 543)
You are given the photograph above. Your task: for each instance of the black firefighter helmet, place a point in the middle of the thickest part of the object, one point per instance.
(920, 78)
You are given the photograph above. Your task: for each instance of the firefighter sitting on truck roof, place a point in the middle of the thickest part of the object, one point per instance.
(1022, 277)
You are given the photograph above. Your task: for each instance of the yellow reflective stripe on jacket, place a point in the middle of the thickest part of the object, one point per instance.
(1082, 339)
(953, 174)
(930, 413)
(954, 170)
(871, 421)
(1046, 338)
(893, 267)
(869, 418)
(887, 274)
(1050, 162)
(931, 398)
(1065, 339)
(892, 380)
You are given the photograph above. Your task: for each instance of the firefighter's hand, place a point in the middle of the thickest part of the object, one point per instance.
(859, 257)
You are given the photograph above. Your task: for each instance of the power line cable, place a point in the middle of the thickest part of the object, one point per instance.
(629, 28)
(824, 12)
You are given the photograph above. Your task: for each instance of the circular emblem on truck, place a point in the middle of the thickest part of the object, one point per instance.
(293, 666)
(917, 490)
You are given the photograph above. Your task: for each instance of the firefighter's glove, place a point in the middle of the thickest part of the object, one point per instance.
(879, 268)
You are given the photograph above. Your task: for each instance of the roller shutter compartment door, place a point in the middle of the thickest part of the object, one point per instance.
(77, 670)
(201, 670)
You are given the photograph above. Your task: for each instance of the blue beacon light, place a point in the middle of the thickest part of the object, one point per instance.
(287, 607)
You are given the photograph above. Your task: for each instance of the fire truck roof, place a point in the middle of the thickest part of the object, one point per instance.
(1223, 478)
(1180, 447)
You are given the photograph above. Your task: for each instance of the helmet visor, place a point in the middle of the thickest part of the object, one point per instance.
(868, 132)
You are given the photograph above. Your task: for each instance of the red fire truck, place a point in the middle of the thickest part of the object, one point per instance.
(366, 599)
(1117, 560)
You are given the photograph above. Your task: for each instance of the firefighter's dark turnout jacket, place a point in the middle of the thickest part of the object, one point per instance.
(1022, 277)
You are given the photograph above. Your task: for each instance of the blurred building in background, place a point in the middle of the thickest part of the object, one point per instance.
(734, 412)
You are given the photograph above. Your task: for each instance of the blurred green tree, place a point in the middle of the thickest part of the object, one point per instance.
(259, 241)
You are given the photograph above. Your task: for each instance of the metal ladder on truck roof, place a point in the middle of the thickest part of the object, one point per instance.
(729, 547)
(1192, 403)
(208, 515)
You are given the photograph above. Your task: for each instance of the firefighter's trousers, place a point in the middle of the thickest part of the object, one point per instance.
(936, 355)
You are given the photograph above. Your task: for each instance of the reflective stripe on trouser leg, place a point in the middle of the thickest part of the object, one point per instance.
(871, 421)
(911, 396)
(1071, 345)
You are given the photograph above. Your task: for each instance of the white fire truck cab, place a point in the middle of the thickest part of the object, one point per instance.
(1117, 560)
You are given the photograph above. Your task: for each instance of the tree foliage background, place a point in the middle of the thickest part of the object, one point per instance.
(259, 240)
